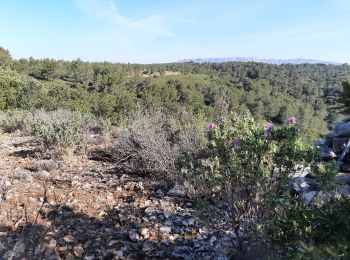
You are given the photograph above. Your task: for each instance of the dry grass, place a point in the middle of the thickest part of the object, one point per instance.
(144, 144)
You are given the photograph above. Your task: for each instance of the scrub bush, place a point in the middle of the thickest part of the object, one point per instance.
(144, 144)
(249, 164)
(64, 128)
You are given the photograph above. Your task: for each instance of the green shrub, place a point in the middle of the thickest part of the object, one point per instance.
(145, 144)
(320, 230)
(44, 165)
(325, 173)
(12, 121)
(314, 232)
(249, 164)
(192, 137)
(63, 128)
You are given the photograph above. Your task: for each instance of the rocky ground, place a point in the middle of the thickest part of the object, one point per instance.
(84, 207)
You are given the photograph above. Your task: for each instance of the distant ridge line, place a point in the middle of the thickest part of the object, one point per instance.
(253, 59)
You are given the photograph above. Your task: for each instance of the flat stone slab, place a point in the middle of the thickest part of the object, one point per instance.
(342, 129)
(343, 178)
(339, 143)
(328, 154)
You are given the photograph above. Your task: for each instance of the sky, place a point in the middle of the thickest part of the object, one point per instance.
(152, 31)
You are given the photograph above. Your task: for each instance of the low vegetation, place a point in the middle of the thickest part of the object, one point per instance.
(144, 143)
(112, 91)
(226, 132)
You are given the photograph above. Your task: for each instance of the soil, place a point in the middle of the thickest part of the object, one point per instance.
(87, 207)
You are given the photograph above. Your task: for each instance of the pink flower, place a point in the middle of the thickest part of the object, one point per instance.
(211, 126)
(292, 120)
(268, 129)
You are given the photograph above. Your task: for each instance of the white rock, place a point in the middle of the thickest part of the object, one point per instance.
(342, 129)
(160, 192)
(69, 238)
(171, 238)
(308, 196)
(343, 178)
(145, 232)
(344, 190)
(213, 239)
(300, 184)
(41, 175)
(150, 210)
(320, 143)
(168, 223)
(166, 214)
(134, 235)
(147, 203)
(188, 222)
(177, 190)
(119, 253)
(78, 251)
(301, 171)
(165, 229)
(52, 243)
(191, 222)
(328, 154)
(113, 242)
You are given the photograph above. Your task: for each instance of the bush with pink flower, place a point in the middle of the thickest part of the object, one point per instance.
(248, 163)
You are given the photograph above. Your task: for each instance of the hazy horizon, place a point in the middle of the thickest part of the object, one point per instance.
(169, 31)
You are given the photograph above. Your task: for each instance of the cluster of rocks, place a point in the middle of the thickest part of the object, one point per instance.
(335, 146)
(155, 226)
(92, 210)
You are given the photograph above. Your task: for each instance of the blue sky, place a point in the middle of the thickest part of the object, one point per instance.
(169, 30)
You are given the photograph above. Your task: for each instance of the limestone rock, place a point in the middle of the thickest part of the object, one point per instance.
(339, 143)
(145, 232)
(189, 222)
(177, 190)
(78, 251)
(345, 167)
(320, 144)
(112, 243)
(301, 171)
(308, 196)
(329, 139)
(300, 184)
(344, 190)
(119, 253)
(328, 154)
(167, 214)
(52, 244)
(343, 178)
(165, 230)
(69, 238)
(134, 235)
(342, 129)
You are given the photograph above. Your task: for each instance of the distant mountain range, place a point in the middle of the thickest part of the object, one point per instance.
(269, 61)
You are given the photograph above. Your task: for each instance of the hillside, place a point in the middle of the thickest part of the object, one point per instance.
(268, 61)
(111, 90)
(130, 130)
(178, 161)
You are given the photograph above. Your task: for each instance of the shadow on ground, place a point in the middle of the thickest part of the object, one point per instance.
(71, 235)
